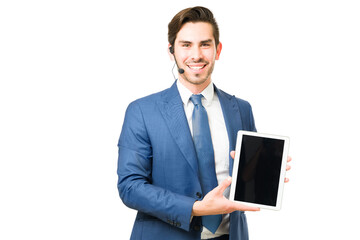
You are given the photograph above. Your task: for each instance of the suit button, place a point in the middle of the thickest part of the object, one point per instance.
(198, 195)
(178, 224)
(197, 228)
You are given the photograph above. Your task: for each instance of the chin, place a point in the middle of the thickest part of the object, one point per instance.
(197, 79)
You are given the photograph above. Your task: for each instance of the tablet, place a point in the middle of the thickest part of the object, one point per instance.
(259, 169)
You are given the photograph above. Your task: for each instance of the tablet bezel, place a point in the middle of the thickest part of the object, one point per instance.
(282, 170)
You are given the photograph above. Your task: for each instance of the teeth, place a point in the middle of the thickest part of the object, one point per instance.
(196, 68)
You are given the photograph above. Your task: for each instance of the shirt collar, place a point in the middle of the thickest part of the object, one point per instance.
(185, 93)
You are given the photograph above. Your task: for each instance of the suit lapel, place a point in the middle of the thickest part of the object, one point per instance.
(232, 119)
(172, 110)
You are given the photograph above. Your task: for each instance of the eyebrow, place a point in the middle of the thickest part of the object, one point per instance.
(206, 41)
(182, 41)
(202, 42)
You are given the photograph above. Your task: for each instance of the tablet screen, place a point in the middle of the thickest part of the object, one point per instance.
(259, 170)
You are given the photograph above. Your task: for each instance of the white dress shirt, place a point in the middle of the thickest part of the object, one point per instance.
(219, 138)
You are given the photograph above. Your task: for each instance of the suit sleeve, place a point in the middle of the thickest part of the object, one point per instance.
(251, 120)
(247, 117)
(134, 175)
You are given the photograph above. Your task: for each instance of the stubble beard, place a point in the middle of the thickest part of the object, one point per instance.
(197, 80)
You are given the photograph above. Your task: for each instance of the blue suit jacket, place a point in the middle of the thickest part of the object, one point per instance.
(157, 165)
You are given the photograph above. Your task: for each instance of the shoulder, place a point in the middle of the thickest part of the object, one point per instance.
(241, 102)
(137, 115)
(243, 107)
(152, 98)
(146, 102)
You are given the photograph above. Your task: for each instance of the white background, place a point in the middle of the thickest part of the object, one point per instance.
(68, 70)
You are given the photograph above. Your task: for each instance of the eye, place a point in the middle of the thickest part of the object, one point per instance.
(186, 45)
(205, 45)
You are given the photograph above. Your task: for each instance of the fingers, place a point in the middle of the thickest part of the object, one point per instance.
(224, 184)
(288, 167)
(232, 154)
(253, 209)
(242, 207)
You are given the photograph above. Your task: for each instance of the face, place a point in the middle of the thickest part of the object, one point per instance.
(196, 52)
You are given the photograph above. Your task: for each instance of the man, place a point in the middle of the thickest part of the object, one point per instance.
(161, 167)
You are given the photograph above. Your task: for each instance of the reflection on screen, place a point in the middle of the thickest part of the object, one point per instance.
(259, 170)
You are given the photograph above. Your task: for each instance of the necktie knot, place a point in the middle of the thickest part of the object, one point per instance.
(196, 99)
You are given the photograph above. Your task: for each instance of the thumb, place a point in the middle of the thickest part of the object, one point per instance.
(232, 154)
(224, 184)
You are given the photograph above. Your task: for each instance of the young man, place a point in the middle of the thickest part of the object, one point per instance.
(174, 162)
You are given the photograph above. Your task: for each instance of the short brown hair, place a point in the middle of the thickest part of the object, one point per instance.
(195, 14)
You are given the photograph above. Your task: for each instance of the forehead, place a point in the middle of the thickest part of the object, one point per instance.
(195, 32)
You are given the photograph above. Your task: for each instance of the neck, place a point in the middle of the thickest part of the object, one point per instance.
(195, 88)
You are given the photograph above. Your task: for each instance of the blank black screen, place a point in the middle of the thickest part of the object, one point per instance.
(259, 170)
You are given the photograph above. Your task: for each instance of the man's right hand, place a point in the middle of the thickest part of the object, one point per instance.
(215, 203)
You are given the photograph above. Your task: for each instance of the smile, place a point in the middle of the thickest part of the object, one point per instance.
(197, 67)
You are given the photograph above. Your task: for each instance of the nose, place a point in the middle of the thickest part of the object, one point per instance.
(196, 54)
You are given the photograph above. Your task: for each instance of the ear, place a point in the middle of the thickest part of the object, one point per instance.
(218, 51)
(170, 54)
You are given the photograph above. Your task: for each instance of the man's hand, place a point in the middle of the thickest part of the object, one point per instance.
(215, 203)
(288, 167)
